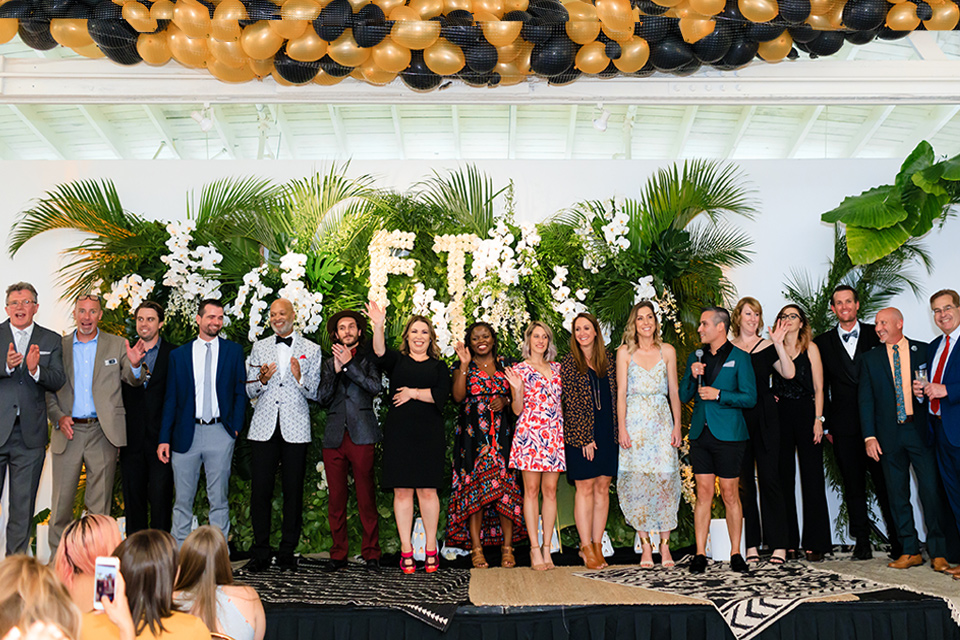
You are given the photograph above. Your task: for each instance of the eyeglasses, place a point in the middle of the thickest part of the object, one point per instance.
(942, 310)
(89, 296)
(20, 303)
(789, 316)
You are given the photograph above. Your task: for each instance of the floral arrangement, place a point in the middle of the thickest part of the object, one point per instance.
(566, 305)
(132, 289)
(187, 270)
(456, 247)
(383, 262)
(425, 304)
(254, 287)
(307, 305)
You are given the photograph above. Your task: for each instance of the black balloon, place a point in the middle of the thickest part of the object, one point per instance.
(670, 54)
(57, 8)
(16, 9)
(793, 55)
(495, 79)
(474, 79)
(458, 28)
(613, 50)
(645, 71)
(370, 27)
(865, 15)
(826, 44)
(565, 77)
(539, 32)
(653, 29)
(333, 20)
(418, 76)
(126, 55)
(481, 57)
(860, 37)
(713, 47)
(513, 16)
(460, 16)
(688, 69)
(924, 10)
(333, 68)
(803, 33)
(794, 11)
(550, 11)
(112, 34)
(36, 34)
(764, 31)
(740, 53)
(886, 33)
(292, 70)
(554, 56)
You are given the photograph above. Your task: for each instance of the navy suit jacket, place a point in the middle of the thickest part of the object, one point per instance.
(949, 406)
(180, 406)
(878, 400)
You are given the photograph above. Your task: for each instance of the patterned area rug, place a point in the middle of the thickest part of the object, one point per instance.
(432, 598)
(749, 602)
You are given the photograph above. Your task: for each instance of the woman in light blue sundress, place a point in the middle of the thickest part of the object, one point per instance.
(648, 415)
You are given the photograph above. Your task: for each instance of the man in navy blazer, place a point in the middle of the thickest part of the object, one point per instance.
(942, 391)
(203, 412)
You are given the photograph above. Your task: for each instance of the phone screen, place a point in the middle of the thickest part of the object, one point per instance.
(105, 577)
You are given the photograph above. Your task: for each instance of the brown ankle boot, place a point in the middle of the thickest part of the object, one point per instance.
(589, 555)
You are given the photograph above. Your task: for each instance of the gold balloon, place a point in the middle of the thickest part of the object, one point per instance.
(162, 10)
(707, 7)
(510, 74)
(582, 31)
(190, 52)
(390, 56)
(300, 10)
(345, 50)
(500, 34)
(153, 48)
(227, 73)
(903, 17)
(633, 56)
(523, 59)
(192, 17)
(509, 52)
(288, 29)
(225, 24)
(823, 7)
(427, 9)
(819, 23)
(454, 5)
(620, 35)
(90, 51)
(682, 10)
(356, 5)
(8, 29)
(592, 58)
(228, 53)
(836, 18)
(326, 79)
(494, 7)
(261, 68)
(776, 49)
(759, 10)
(581, 11)
(307, 48)
(68, 32)
(668, 3)
(138, 17)
(616, 14)
(389, 5)
(259, 41)
(280, 79)
(373, 74)
(695, 29)
(415, 35)
(945, 17)
(515, 5)
(444, 58)
(404, 14)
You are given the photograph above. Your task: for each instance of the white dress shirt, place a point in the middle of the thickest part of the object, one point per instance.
(850, 344)
(22, 337)
(199, 357)
(284, 353)
(936, 357)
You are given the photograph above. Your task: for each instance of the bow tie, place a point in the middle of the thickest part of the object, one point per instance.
(287, 341)
(853, 334)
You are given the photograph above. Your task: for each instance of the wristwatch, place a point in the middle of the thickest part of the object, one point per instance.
(821, 419)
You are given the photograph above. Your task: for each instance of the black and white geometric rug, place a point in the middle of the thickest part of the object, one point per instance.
(749, 602)
(432, 599)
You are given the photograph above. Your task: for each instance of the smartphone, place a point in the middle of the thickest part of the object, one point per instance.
(105, 579)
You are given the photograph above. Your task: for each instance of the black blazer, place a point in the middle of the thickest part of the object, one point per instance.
(144, 404)
(878, 404)
(841, 376)
(348, 396)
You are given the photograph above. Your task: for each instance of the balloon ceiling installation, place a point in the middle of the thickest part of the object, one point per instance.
(480, 42)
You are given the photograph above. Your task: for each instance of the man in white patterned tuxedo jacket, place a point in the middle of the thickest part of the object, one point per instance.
(282, 373)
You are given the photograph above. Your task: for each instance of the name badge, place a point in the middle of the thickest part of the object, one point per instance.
(109, 361)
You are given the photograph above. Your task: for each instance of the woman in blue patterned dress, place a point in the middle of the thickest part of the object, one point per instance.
(648, 412)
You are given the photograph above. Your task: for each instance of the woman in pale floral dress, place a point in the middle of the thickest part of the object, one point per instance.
(538, 438)
(648, 414)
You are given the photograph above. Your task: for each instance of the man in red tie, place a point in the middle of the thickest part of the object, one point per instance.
(943, 391)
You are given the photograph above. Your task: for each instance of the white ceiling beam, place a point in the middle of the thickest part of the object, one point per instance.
(809, 119)
(928, 128)
(875, 120)
(823, 81)
(512, 134)
(222, 127)
(455, 117)
(155, 115)
(743, 123)
(571, 131)
(288, 143)
(926, 46)
(398, 132)
(338, 131)
(95, 117)
(686, 124)
(34, 122)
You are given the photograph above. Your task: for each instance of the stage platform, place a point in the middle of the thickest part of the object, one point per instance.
(798, 602)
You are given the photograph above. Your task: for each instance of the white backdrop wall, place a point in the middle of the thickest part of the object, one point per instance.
(787, 233)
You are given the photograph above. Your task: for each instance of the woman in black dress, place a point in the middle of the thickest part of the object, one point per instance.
(589, 378)
(413, 439)
(800, 407)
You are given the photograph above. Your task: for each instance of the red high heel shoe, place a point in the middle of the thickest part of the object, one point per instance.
(432, 562)
(407, 563)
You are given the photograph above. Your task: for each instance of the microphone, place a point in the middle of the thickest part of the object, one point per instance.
(699, 354)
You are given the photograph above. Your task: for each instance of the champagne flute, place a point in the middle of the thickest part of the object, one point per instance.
(920, 375)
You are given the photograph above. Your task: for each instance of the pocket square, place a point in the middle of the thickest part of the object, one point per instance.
(731, 364)
(109, 362)
(45, 353)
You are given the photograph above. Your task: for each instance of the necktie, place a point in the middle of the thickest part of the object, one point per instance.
(21, 342)
(898, 384)
(938, 374)
(853, 334)
(207, 413)
(287, 341)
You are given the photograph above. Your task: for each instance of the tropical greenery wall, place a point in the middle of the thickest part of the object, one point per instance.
(249, 240)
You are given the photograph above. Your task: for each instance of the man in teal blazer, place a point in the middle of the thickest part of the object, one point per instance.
(895, 433)
(721, 383)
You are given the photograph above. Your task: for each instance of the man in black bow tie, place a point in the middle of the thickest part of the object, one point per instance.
(840, 351)
(282, 373)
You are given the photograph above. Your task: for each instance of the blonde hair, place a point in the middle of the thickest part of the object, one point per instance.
(598, 358)
(82, 541)
(630, 331)
(433, 350)
(30, 592)
(204, 565)
(754, 304)
(526, 352)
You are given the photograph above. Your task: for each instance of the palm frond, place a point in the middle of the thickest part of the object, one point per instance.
(699, 187)
(237, 207)
(467, 194)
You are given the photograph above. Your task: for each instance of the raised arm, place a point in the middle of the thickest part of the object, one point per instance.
(378, 317)
(784, 364)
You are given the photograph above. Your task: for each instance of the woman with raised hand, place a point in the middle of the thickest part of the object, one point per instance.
(206, 589)
(648, 413)
(800, 408)
(76, 558)
(589, 379)
(414, 445)
(761, 459)
(537, 449)
(485, 504)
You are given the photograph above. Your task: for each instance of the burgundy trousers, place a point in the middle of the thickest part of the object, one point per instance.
(338, 463)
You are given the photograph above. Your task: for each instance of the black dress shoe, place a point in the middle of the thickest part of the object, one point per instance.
(738, 564)
(699, 563)
(814, 556)
(334, 565)
(862, 550)
(257, 565)
(372, 564)
(288, 564)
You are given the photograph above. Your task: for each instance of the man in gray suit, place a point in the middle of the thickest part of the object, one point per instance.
(34, 366)
(89, 422)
